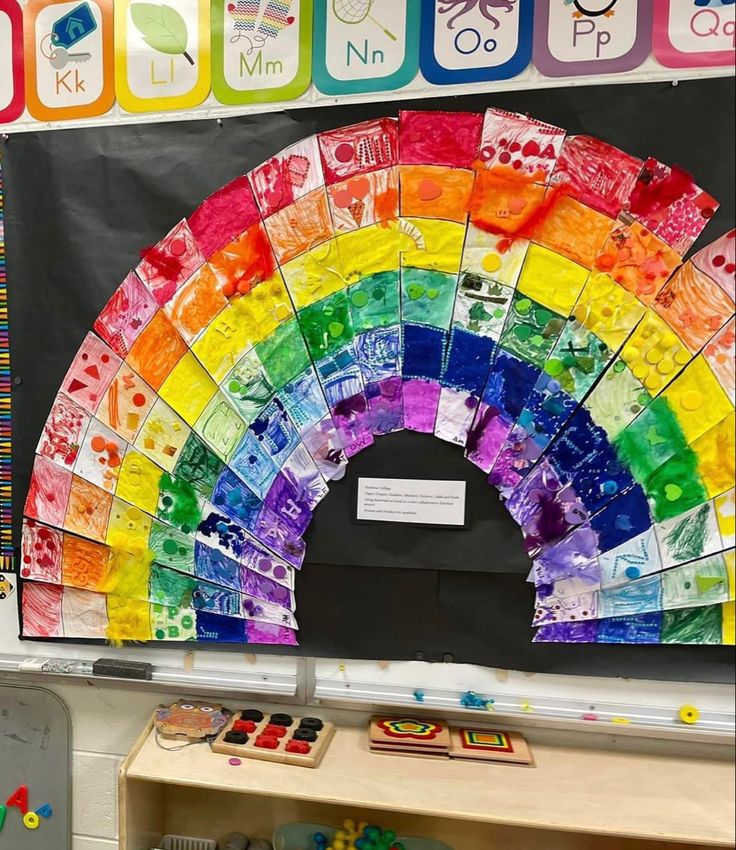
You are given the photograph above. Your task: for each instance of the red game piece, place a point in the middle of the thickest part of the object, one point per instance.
(276, 731)
(301, 747)
(267, 742)
(247, 726)
(19, 799)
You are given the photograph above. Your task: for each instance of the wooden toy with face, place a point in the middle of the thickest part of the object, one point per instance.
(192, 720)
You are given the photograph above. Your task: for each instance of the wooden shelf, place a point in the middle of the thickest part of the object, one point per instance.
(603, 792)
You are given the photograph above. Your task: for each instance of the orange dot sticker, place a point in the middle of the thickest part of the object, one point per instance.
(98, 444)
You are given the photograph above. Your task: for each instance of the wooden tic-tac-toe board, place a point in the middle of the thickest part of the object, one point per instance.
(277, 737)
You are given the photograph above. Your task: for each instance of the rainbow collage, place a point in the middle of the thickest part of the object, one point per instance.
(516, 291)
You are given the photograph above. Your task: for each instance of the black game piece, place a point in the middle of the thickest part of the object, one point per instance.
(304, 734)
(252, 714)
(281, 720)
(236, 737)
(312, 723)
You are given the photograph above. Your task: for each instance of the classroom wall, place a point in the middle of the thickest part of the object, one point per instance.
(108, 718)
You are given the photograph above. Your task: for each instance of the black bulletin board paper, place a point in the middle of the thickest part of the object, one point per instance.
(81, 203)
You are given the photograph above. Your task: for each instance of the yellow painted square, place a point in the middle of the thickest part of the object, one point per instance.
(697, 399)
(368, 251)
(128, 619)
(138, 481)
(128, 572)
(128, 526)
(162, 436)
(432, 244)
(551, 279)
(265, 307)
(716, 451)
(654, 353)
(493, 256)
(608, 310)
(225, 341)
(728, 615)
(188, 388)
(314, 275)
(725, 506)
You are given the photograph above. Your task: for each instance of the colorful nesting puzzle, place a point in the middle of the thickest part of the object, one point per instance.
(410, 735)
(490, 745)
(301, 741)
(516, 291)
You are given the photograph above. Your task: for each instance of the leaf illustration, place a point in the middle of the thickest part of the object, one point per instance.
(162, 28)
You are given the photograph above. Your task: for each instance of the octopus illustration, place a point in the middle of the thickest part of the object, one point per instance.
(458, 8)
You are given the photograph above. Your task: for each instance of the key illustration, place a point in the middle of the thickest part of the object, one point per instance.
(60, 57)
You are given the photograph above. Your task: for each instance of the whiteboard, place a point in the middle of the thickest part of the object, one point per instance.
(35, 750)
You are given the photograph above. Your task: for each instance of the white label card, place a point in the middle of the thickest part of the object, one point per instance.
(411, 500)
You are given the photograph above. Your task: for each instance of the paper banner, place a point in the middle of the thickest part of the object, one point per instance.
(262, 50)
(162, 54)
(12, 96)
(69, 59)
(694, 33)
(369, 45)
(470, 42)
(591, 36)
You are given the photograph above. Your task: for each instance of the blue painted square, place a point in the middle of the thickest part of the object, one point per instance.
(639, 628)
(424, 349)
(214, 627)
(623, 518)
(468, 361)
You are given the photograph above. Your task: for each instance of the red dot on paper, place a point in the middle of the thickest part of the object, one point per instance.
(517, 163)
(344, 152)
(719, 260)
(139, 399)
(505, 157)
(105, 358)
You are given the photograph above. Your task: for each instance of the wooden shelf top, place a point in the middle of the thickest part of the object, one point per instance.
(602, 791)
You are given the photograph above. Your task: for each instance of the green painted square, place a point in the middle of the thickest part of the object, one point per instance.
(284, 354)
(171, 548)
(531, 330)
(221, 427)
(247, 386)
(617, 400)
(650, 440)
(481, 305)
(178, 504)
(171, 623)
(577, 359)
(327, 325)
(374, 302)
(171, 588)
(675, 487)
(199, 466)
(693, 625)
(427, 297)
